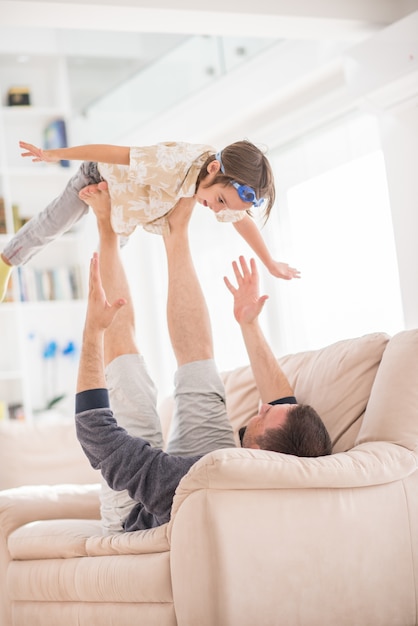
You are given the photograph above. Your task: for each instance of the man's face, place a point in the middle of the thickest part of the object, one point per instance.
(270, 416)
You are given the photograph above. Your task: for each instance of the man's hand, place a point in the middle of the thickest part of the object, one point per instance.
(100, 314)
(37, 154)
(247, 302)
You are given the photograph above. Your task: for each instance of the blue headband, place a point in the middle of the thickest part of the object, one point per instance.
(245, 192)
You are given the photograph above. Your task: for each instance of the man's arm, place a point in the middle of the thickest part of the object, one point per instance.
(150, 475)
(99, 316)
(270, 379)
(95, 152)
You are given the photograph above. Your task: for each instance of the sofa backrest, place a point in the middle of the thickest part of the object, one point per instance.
(392, 410)
(336, 380)
(48, 453)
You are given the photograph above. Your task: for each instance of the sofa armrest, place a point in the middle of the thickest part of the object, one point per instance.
(252, 528)
(368, 464)
(27, 504)
(22, 505)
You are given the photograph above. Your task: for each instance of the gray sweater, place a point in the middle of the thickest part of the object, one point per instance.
(150, 475)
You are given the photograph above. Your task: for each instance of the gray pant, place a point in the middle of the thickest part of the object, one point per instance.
(55, 219)
(200, 423)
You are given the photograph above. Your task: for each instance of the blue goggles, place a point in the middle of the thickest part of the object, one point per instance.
(245, 192)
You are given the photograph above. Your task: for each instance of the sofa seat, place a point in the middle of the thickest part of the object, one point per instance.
(136, 585)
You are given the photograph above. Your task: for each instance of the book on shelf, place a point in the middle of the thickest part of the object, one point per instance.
(57, 283)
(18, 96)
(55, 136)
(3, 225)
(16, 411)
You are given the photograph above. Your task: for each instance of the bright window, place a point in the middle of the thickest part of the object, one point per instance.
(335, 220)
(346, 248)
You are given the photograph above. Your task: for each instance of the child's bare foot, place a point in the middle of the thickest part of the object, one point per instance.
(180, 215)
(87, 192)
(98, 199)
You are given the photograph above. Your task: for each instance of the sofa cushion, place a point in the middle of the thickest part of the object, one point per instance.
(52, 539)
(335, 380)
(396, 385)
(68, 538)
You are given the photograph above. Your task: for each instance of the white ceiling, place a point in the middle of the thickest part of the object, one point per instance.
(300, 19)
(106, 41)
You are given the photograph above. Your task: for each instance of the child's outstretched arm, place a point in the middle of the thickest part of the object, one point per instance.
(95, 152)
(249, 231)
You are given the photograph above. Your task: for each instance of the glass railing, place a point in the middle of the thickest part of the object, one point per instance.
(188, 68)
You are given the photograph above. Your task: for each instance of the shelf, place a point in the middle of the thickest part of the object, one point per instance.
(28, 112)
(36, 305)
(61, 268)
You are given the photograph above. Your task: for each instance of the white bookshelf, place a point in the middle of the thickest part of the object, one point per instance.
(46, 302)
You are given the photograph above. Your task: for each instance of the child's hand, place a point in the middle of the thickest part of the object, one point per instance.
(283, 270)
(37, 154)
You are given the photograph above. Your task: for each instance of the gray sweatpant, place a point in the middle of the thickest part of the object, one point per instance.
(199, 425)
(55, 219)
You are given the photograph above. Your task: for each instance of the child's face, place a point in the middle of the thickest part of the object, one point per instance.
(219, 197)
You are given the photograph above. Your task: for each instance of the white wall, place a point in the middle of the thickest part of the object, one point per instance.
(400, 144)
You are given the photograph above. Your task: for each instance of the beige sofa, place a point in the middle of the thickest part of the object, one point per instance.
(255, 538)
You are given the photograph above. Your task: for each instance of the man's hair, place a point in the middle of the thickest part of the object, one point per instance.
(246, 164)
(303, 434)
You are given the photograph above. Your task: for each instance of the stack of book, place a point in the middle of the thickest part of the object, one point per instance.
(58, 283)
(3, 226)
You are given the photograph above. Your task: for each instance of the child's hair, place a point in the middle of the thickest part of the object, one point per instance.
(246, 164)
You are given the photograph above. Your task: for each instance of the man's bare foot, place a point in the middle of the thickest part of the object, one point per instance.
(180, 215)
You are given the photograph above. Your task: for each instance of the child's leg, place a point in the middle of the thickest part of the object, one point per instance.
(132, 393)
(54, 220)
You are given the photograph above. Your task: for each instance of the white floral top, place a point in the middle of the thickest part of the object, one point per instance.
(146, 190)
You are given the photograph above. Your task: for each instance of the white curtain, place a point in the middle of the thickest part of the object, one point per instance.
(335, 209)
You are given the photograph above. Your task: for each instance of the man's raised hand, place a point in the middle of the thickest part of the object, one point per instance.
(248, 304)
(100, 313)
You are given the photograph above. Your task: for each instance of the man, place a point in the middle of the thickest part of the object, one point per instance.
(141, 479)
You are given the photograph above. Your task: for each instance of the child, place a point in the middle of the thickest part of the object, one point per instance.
(144, 185)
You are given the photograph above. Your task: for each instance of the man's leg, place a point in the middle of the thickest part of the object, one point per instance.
(132, 393)
(200, 423)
